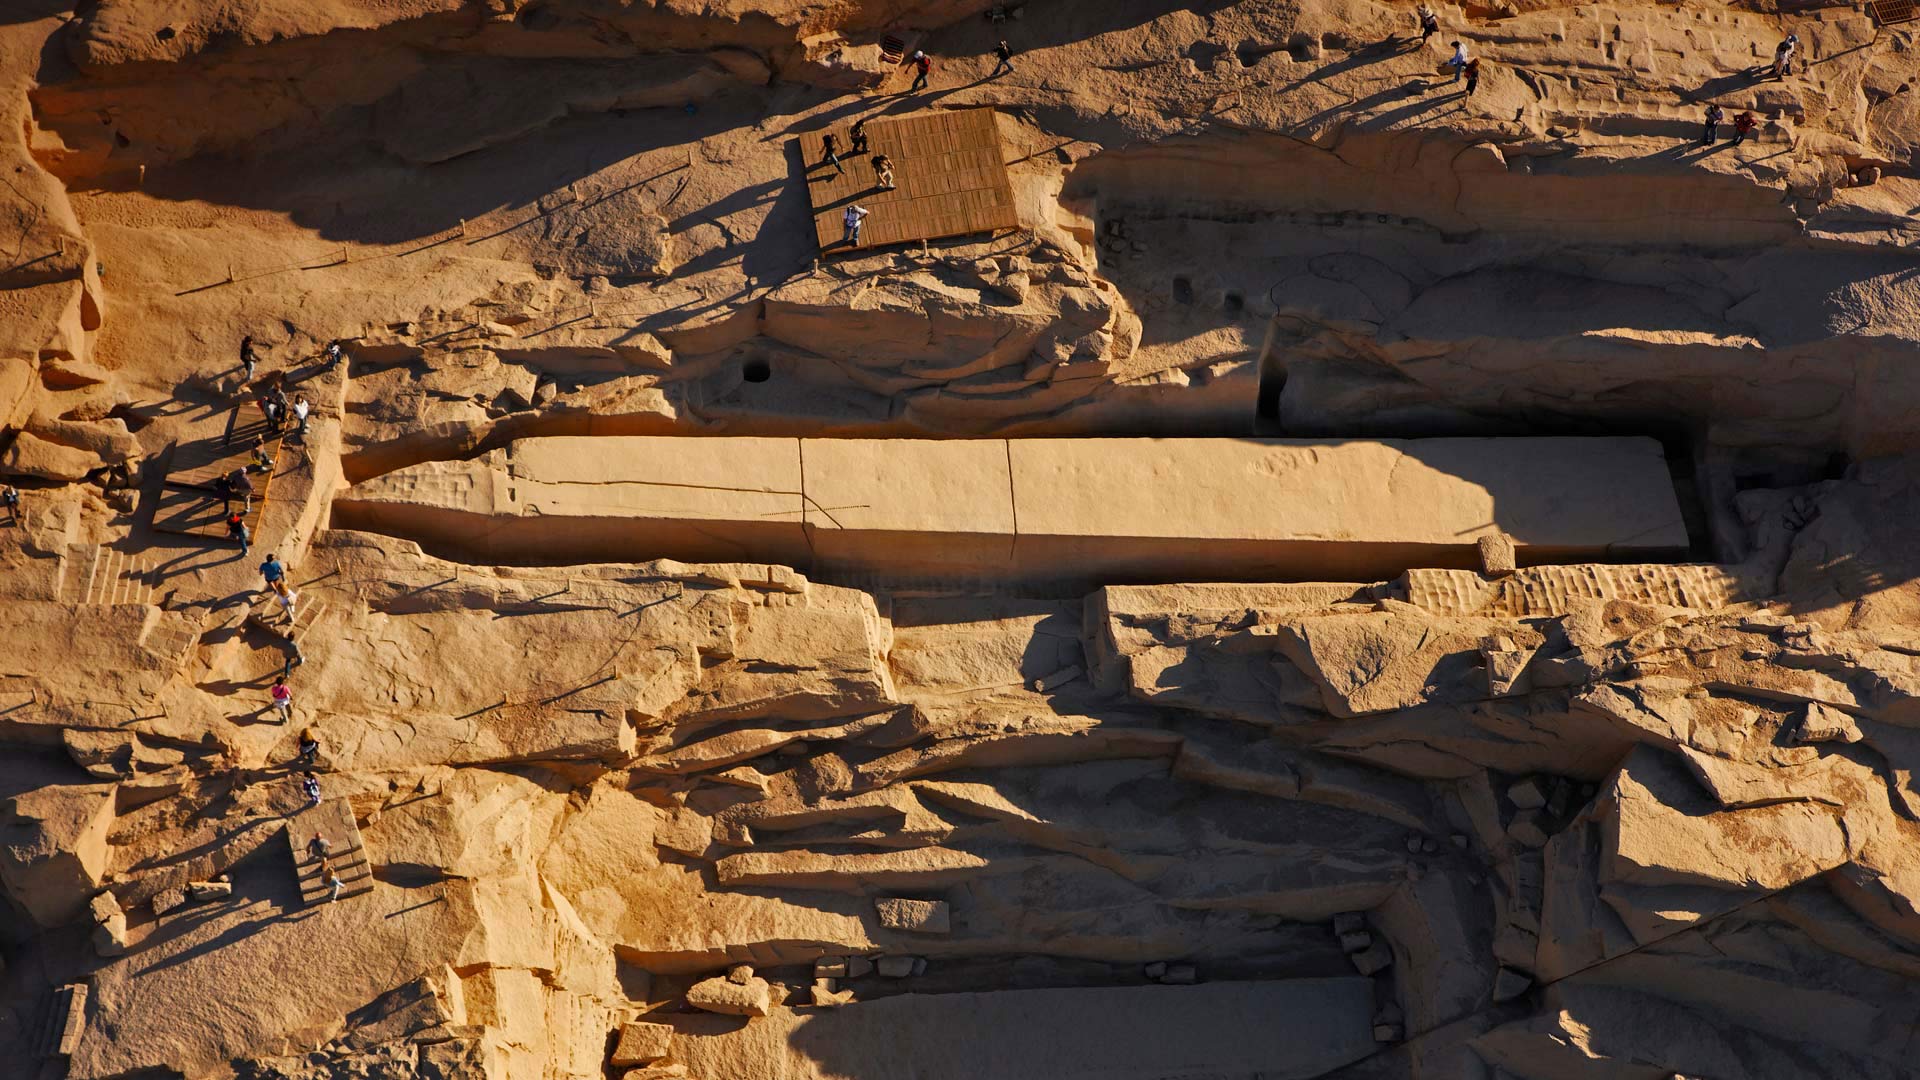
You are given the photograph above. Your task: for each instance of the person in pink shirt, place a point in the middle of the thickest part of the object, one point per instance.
(282, 696)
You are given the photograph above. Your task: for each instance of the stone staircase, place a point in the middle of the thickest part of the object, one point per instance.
(64, 1022)
(333, 820)
(97, 574)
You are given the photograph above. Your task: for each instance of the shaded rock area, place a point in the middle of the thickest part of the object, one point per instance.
(307, 775)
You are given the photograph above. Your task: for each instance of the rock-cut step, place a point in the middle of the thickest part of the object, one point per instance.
(334, 821)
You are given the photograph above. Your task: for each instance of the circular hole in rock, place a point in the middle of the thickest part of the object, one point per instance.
(165, 33)
(1235, 303)
(757, 371)
(1183, 290)
(538, 18)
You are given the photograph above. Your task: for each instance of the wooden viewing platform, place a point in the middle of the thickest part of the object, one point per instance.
(950, 174)
(190, 503)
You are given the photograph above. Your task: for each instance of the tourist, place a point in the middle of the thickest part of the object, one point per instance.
(237, 530)
(275, 572)
(1783, 56)
(279, 394)
(266, 409)
(335, 353)
(331, 879)
(240, 487)
(1742, 125)
(282, 696)
(830, 155)
(310, 785)
(1714, 115)
(859, 146)
(1458, 61)
(1473, 75)
(248, 358)
(11, 497)
(309, 748)
(1002, 52)
(318, 847)
(262, 461)
(854, 216)
(288, 598)
(923, 66)
(300, 409)
(883, 170)
(1429, 22)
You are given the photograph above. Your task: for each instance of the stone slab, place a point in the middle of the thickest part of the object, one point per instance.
(1038, 510)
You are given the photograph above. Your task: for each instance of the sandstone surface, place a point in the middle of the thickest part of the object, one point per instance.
(1375, 578)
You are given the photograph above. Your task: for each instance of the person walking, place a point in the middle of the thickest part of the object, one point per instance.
(318, 848)
(1783, 56)
(11, 497)
(274, 572)
(309, 748)
(1003, 55)
(331, 879)
(280, 403)
(852, 219)
(859, 133)
(883, 171)
(282, 697)
(248, 358)
(240, 487)
(262, 460)
(1714, 115)
(288, 599)
(237, 530)
(923, 67)
(1473, 75)
(1458, 61)
(301, 407)
(310, 786)
(1429, 22)
(1742, 126)
(266, 410)
(830, 155)
(336, 352)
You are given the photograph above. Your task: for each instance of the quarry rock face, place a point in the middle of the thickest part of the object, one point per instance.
(1371, 575)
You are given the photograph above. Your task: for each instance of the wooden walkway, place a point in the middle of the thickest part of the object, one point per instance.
(950, 174)
(190, 505)
(333, 820)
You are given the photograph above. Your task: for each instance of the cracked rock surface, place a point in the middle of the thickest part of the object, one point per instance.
(557, 806)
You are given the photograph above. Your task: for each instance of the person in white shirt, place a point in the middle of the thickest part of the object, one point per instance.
(1783, 56)
(855, 215)
(1458, 60)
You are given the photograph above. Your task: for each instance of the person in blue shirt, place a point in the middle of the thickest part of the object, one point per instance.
(274, 572)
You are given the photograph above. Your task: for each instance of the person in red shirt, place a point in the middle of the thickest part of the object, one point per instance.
(1741, 125)
(282, 695)
(924, 64)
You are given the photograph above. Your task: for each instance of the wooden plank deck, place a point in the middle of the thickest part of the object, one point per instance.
(189, 504)
(950, 172)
